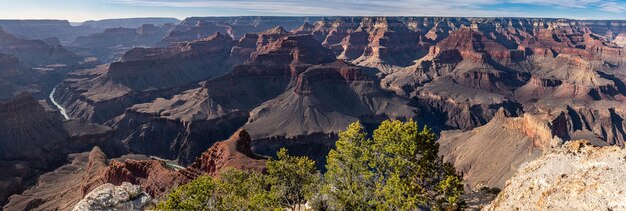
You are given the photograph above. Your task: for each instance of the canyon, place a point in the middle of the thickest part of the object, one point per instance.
(112, 105)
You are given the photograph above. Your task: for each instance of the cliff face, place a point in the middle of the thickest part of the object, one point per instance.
(15, 78)
(62, 188)
(42, 29)
(84, 173)
(181, 127)
(235, 152)
(143, 74)
(112, 43)
(511, 140)
(129, 22)
(322, 100)
(197, 27)
(29, 132)
(34, 140)
(575, 176)
(36, 52)
(34, 66)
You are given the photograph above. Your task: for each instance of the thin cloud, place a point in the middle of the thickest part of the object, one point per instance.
(481, 8)
(345, 7)
(560, 3)
(613, 7)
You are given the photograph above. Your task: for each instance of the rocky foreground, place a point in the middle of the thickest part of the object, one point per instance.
(576, 176)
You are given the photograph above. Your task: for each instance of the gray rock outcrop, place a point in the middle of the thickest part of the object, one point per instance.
(576, 176)
(111, 197)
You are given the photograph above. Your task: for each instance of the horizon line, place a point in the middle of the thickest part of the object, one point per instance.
(297, 16)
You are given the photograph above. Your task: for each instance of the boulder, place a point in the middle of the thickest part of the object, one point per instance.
(111, 197)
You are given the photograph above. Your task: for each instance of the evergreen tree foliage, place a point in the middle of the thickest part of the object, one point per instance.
(397, 169)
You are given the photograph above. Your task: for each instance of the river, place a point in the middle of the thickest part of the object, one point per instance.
(63, 112)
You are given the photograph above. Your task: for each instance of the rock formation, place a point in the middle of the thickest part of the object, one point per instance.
(36, 52)
(111, 197)
(512, 140)
(181, 127)
(42, 29)
(157, 177)
(143, 74)
(64, 187)
(111, 44)
(34, 140)
(620, 40)
(236, 27)
(323, 100)
(128, 22)
(15, 78)
(34, 66)
(235, 152)
(575, 176)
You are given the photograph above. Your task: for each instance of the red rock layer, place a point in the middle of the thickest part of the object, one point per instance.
(236, 152)
(156, 177)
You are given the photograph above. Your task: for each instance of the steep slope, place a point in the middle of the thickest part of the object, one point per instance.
(111, 44)
(468, 57)
(236, 27)
(489, 155)
(36, 52)
(14, 77)
(235, 152)
(17, 77)
(143, 74)
(516, 85)
(390, 44)
(324, 99)
(181, 127)
(62, 188)
(460, 83)
(34, 140)
(34, 66)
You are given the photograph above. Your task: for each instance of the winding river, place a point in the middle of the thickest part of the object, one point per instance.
(169, 163)
(63, 112)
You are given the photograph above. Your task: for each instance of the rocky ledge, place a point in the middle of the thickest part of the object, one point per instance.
(576, 176)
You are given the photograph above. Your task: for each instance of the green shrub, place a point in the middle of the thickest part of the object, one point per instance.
(293, 179)
(233, 190)
(397, 169)
(287, 184)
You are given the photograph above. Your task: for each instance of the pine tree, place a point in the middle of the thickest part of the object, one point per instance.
(398, 169)
(293, 179)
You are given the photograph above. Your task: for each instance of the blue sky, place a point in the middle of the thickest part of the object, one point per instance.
(81, 10)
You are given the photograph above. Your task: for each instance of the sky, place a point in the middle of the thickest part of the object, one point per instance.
(81, 10)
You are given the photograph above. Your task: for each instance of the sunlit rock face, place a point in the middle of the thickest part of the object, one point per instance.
(575, 176)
